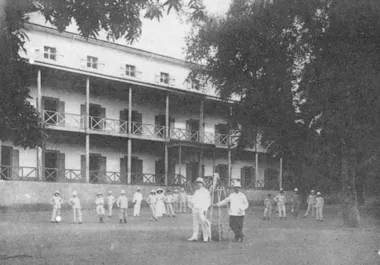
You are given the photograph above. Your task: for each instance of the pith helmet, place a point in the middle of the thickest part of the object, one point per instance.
(152, 191)
(318, 193)
(75, 193)
(281, 190)
(295, 189)
(312, 191)
(99, 193)
(122, 192)
(56, 192)
(200, 180)
(138, 188)
(110, 192)
(237, 185)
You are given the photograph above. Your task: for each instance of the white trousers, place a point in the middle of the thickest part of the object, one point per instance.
(182, 207)
(77, 215)
(310, 207)
(153, 210)
(319, 214)
(268, 212)
(56, 212)
(110, 206)
(199, 219)
(136, 209)
(281, 211)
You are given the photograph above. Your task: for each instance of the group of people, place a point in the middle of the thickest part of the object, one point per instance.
(161, 204)
(315, 204)
(169, 204)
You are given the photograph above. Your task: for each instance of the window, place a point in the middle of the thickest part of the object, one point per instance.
(50, 53)
(130, 70)
(164, 78)
(92, 62)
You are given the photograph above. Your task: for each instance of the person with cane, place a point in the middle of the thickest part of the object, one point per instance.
(238, 204)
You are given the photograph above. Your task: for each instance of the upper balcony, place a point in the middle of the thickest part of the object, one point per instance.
(114, 127)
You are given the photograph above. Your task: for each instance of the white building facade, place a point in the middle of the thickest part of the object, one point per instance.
(119, 115)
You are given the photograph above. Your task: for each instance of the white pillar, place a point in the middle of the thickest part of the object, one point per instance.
(256, 167)
(280, 176)
(129, 160)
(87, 124)
(39, 108)
(167, 138)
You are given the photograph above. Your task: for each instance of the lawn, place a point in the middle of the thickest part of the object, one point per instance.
(30, 238)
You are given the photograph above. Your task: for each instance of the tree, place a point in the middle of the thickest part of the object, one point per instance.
(307, 74)
(19, 120)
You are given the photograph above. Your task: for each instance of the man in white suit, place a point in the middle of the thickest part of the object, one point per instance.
(200, 202)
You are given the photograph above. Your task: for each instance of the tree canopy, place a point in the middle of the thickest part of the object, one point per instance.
(307, 73)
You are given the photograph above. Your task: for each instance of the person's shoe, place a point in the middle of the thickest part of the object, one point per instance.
(125, 221)
(321, 220)
(264, 218)
(80, 223)
(192, 239)
(305, 216)
(52, 222)
(120, 221)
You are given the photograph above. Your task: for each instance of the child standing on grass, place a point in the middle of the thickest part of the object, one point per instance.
(100, 206)
(296, 202)
(152, 201)
(110, 201)
(169, 204)
(56, 201)
(77, 208)
(319, 203)
(281, 201)
(176, 201)
(182, 201)
(310, 204)
(122, 203)
(268, 207)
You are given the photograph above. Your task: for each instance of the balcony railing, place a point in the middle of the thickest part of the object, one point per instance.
(18, 173)
(68, 120)
(76, 121)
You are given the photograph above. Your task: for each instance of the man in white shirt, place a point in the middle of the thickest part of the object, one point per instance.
(200, 202)
(238, 204)
(137, 199)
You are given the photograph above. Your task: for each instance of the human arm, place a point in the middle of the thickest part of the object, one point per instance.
(224, 202)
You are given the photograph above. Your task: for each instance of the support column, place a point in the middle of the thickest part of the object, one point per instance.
(166, 140)
(180, 160)
(280, 176)
(201, 137)
(39, 108)
(229, 148)
(87, 124)
(129, 156)
(0, 155)
(229, 167)
(256, 167)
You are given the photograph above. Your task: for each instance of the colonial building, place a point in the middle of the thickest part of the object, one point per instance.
(116, 114)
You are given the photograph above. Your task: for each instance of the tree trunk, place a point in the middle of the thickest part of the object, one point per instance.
(350, 210)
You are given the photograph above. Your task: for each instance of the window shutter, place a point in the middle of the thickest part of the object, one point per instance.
(15, 163)
(61, 166)
(103, 168)
(123, 170)
(61, 110)
(83, 115)
(83, 167)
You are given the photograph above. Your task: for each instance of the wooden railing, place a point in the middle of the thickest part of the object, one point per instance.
(18, 173)
(76, 121)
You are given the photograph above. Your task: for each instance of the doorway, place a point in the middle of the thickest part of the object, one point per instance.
(6, 163)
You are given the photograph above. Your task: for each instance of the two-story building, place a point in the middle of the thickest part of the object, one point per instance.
(120, 115)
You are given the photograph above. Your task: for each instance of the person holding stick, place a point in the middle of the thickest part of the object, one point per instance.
(238, 204)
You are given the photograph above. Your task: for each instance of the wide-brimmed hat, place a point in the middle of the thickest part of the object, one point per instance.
(295, 189)
(236, 185)
(152, 191)
(318, 193)
(56, 192)
(138, 188)
(281, 191)
(200, 180)
(110, 191)
(312, 191)
(122, 192)
(75, 193)
(99, 193)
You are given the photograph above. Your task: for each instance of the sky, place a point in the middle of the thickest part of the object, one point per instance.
(167, 37)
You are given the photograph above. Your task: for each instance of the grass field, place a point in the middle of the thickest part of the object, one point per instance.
(31, 239)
